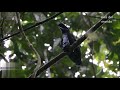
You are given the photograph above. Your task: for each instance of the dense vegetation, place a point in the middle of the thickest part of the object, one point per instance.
(100, 51)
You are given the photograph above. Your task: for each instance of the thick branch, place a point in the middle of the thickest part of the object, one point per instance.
(92, 29)
(33, 26)
(51, 62)
(77, 43)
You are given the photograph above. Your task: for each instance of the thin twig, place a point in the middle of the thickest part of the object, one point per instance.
(91, 56)
(46, 61)
(29, 43)
(3, 57)
(32, 26)
(76, 43)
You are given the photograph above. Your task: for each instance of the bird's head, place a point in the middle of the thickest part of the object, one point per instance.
(63, 28)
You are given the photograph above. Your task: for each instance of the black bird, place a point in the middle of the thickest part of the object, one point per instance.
(67, 40)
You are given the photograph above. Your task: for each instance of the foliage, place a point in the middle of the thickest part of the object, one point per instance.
(100, 51)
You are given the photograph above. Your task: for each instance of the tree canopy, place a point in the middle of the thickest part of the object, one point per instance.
(29, 40)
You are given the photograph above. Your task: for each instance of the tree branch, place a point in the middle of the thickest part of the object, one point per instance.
(51, 62)
(30, 44)
(46, 61)
(76, 43)
(30, 27)
(91, 57)
(92, 29)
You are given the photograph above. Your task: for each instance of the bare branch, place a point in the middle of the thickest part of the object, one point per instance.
(29, 44)
(92, 29)
(33, 26)
(3, 57)
(51, 62)
(46, 61)
(77, 43)
(91, 57)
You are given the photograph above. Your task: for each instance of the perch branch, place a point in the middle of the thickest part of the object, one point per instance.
(76, 43)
